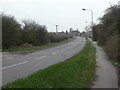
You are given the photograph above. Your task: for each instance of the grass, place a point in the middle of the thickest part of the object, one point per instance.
(101, 45)
(87, 38)
(75, 72)
(40, 47)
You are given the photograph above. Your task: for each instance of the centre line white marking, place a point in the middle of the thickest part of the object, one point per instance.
(53, 53)
(14, 65)
(41, 57)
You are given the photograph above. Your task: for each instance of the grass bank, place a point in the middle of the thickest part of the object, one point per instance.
(40, 47)
(75, 72)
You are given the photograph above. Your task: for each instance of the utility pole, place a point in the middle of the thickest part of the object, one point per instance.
(91, 24)
(56, 28)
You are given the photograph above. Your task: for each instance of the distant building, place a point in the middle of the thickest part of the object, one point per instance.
(74, 32)
(88, 34)
(61, 32)
(83, 34)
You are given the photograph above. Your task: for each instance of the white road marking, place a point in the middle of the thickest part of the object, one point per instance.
(53, 53)
(41, 57)
(14, 65)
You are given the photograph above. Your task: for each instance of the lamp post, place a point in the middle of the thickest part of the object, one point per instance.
(91, 22)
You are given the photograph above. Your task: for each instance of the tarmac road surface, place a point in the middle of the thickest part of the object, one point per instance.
(24, 65)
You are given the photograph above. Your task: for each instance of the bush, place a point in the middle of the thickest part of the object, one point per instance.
(111, 47)
(10, 31)
(58, 37)
(31, 33)
(106, 32)
(52, 37)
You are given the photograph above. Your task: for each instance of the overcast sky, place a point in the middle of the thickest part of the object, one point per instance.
(65, 13)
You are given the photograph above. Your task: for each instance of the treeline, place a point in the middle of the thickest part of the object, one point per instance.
(30, 33)
(107, 32)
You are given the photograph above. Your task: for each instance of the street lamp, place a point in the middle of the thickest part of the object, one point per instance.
(91, 21)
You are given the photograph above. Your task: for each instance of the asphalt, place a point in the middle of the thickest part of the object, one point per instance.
(105, 71)
(25, 65)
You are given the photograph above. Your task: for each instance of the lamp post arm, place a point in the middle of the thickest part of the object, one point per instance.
(91, 24)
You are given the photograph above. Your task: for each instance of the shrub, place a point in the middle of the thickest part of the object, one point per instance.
(111, 47)
(58, 37)
(28, 34)
(10, 31)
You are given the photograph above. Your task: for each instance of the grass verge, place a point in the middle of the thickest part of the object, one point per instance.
(40, 47)
(75, 72)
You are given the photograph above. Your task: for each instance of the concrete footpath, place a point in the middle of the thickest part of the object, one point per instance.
(106, 76)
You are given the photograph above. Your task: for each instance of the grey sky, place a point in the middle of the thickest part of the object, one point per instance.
(65, 13)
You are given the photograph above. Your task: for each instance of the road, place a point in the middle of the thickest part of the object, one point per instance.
(25, 65)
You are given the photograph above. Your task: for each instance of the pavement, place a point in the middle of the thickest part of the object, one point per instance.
(105, 71)
(21, 66)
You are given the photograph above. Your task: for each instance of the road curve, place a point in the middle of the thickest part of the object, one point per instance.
(23, 66)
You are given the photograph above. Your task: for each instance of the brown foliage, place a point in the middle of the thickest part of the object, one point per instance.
(26, 45)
